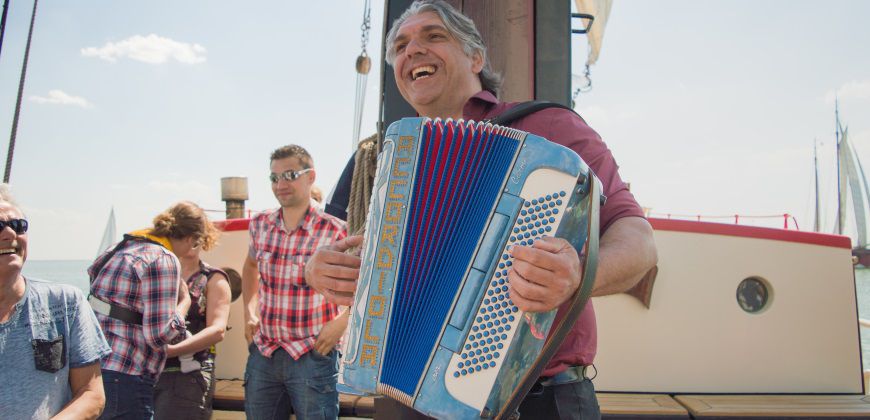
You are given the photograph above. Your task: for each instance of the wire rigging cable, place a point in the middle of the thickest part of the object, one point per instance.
(8, 172)
(363, 65)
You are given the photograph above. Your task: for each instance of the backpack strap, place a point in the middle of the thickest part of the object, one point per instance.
(110, 309)
(526, 108)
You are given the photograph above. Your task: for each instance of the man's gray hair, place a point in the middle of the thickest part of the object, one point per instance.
(460, 26)
(6, 195)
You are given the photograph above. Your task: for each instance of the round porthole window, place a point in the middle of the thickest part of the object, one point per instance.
(753, 295)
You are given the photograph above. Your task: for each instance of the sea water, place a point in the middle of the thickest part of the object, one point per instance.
(75, 273)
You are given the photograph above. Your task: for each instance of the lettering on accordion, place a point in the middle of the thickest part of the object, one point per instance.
(398, 189)
(516, 177)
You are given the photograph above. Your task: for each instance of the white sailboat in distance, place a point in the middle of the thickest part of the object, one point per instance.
(110, 233)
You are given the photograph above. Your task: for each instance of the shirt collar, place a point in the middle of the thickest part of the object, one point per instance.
(311, 216)
(477, 107)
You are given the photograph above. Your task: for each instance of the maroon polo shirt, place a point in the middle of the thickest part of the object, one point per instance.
(564, 127)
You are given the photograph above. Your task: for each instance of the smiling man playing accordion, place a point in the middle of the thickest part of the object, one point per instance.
(433, 325)
(447, 224)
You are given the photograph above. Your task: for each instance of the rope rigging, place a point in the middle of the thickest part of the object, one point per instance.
(3, 22)
(366, 156)
(363, 65)
(12, 136)
(362, 183)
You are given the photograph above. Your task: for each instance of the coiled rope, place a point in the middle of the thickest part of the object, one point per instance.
(362, 183)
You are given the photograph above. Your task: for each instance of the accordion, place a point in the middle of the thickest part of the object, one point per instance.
(432, 324)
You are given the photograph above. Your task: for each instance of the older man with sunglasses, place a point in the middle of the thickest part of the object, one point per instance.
(291, 329)
(50, 340)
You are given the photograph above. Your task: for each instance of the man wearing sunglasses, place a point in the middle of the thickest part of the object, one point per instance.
(291, 329)
(50, 340)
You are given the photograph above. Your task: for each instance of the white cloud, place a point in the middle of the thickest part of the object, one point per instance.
(151, 49)
(59, 97)
(856, 89)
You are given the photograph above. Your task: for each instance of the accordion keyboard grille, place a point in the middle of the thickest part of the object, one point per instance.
(498, 317)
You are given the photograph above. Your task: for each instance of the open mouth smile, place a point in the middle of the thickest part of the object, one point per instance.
(422, 72)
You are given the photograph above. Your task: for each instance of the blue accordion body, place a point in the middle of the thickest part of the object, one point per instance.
(432, 323)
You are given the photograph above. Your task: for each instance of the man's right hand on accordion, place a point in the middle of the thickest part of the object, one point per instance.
(544, 275)
(333, 273)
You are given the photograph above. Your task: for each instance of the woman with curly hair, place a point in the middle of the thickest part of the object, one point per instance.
(141, 303)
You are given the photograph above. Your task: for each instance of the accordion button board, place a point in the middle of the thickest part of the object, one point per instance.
(432, 324)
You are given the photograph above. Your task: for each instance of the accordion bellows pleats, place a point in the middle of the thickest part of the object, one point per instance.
(432, 324)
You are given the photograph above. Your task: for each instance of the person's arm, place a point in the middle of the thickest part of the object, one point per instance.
(548, 273)
(332, 332)
(183, 303)
(626, 252)
(88, 398)
(161, 321)
(332, 273)
(250, 279)
(216, 315)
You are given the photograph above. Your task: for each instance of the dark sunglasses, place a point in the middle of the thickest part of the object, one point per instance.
(18, 225)
(287, 175)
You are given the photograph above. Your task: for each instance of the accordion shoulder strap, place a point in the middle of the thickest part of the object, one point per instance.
(526, 108)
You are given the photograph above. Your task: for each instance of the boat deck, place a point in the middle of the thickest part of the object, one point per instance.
(230, 396)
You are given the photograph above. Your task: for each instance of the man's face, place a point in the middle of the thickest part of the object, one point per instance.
(432, 71)
(295, 193)
(13, 246)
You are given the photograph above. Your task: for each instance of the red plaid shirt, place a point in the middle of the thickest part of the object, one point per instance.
(291, 313)
(143, 277)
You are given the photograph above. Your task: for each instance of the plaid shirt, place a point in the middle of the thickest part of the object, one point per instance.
(143, 277)
(291, 313)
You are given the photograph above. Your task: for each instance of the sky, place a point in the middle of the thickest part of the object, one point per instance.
(711, 108)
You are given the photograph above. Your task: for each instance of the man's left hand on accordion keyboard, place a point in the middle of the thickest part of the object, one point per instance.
(544, 275)
(333, 273)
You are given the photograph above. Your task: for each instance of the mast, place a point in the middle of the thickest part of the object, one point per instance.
(840, 209)
(816, 227)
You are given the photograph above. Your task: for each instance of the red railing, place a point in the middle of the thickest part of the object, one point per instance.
(736, 217)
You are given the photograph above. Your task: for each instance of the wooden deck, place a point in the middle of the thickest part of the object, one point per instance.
(776, 406)
(640, 406)
(230, 397)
